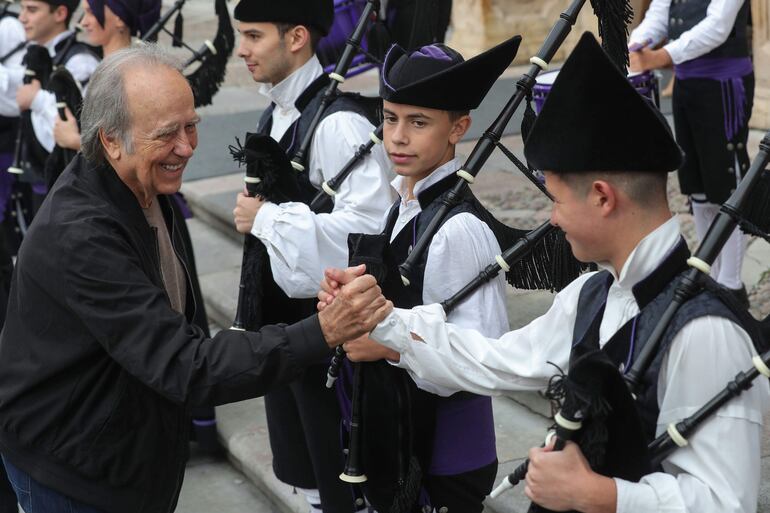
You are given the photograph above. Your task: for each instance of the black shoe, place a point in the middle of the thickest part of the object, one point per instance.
(740, 295)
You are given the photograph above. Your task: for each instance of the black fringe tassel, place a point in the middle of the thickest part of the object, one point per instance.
(206, 80)
(756, 215)
(614, 17)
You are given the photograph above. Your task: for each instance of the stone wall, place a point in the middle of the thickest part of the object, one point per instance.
(760, 11)
(481, 24)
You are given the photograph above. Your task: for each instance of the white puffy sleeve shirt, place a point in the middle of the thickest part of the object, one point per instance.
(43, 107)
(709, 33)
(717, 473)
(300, 243)
(460, 250)
(11, 71)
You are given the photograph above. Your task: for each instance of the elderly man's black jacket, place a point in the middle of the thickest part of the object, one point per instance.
(97, 372)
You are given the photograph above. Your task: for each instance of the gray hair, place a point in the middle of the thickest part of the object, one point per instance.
(105, 106)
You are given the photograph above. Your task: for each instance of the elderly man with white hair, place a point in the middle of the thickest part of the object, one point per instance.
(99, 361)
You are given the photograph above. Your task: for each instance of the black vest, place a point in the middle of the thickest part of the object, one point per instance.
(685, 14)
(653, 295)
(400, 418)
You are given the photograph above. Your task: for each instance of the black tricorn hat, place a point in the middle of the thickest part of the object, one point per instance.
(437, 77)
(310, 13)
(594, 120)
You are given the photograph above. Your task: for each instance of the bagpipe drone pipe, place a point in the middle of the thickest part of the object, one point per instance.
(613, 16)
(69, 95)
(748, 208)
(206, 79)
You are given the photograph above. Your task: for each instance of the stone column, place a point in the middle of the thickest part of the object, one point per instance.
(480, 24)
(760, 12)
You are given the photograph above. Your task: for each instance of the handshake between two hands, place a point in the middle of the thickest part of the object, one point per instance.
(350, 305)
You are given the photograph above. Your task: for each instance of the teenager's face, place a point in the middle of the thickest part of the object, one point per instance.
(265, 52)
(574, 212)
(419, 140)
(96, 34)
(42, 22)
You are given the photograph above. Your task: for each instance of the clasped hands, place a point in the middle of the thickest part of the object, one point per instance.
(350, 305)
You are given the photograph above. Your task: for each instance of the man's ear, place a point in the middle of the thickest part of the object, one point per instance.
(604, 196)
(459, 128)
(111, 145)
(298, 38)
(60, 14)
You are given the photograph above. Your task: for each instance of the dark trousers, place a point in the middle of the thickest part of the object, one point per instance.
(304, 424)
(35, 497)
(462, 492)
(8, 502)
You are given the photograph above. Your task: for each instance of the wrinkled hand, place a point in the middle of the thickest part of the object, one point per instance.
(356, 310)
(563, 481)
(26, 93)
(66, 133)
(364, 349)
(245, 211)
(333, 280)
(647, 59)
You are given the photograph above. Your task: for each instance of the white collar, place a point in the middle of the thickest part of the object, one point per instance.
(399, 182)
(285, 93)
(647, 255)
(51, 45)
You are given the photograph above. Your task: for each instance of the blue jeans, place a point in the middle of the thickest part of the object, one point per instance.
(38, 498)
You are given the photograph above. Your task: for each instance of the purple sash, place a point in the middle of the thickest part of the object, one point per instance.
(729, 72)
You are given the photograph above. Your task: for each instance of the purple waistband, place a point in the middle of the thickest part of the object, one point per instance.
(729, 72)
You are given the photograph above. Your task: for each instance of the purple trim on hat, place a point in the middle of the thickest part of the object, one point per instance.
(386, 68)
(432, 52)
(729, 72)
(204, 423)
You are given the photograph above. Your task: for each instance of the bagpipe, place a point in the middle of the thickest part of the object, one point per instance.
(212, 55)
(748, 208)
(39, 66)
(613, 16)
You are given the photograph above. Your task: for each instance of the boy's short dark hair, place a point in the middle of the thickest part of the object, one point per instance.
(315, 34)
(645, 188)
(70, 12)
(454, 115)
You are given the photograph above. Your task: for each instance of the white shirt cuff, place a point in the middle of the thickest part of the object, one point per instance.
(264, 220)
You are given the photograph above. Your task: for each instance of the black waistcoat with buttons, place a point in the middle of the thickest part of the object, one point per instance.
(399, 418)
(653, 295)
(278, 307)
(685, 14)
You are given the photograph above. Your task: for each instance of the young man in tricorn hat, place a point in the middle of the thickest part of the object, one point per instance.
(606, 155)
(427, 96)
(278, 40)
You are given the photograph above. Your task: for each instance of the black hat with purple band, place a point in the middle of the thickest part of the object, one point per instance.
(437, 77)
(310, 13)
(594, 120)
